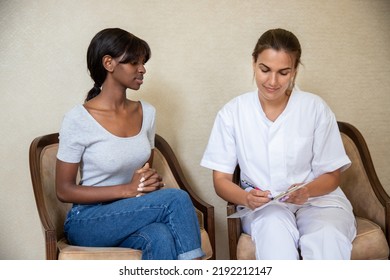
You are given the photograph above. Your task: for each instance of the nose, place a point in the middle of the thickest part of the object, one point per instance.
(142, 69)
(273, 79)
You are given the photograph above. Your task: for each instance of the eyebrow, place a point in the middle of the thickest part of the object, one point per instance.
(287, 68)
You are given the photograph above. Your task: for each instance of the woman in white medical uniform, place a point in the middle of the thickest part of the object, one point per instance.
(281, 136)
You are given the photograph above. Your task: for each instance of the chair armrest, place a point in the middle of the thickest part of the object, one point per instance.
(201, 205)
(370, 191)
(234, 230)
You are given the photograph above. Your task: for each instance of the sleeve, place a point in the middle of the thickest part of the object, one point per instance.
(152, 129)
(329, 153)
(150, 121)
(220, 153)
(70, 147)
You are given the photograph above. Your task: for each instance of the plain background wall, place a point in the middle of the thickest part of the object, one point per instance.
(201, 58)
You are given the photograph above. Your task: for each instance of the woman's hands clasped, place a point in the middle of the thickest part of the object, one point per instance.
(147, 180)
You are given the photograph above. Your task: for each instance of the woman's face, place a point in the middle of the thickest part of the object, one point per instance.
(129, 75)
(274, 72)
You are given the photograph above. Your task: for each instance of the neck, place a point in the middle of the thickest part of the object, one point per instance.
(109, 100)
(274, 108)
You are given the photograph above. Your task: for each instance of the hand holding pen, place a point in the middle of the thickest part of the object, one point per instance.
(256, 196)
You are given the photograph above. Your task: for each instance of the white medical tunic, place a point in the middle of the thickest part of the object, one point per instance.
(300, 145)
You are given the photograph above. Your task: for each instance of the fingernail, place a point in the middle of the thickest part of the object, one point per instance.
(142, 179)
(138, 195)
(284, 198)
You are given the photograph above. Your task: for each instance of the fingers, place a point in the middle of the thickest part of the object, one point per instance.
(150, 181)
(146, 172)
(157, 183)
(261, 194)
(143, 188)
(257, 198)
(143, 169)
(299, 197)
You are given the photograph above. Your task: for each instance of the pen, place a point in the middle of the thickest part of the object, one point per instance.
(254, 187)
(250, 185)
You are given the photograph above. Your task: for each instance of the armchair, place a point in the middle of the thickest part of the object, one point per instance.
(52, 212)
(361, 185)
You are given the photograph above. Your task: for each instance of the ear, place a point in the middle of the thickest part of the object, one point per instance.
(254, 67)
(108, 63)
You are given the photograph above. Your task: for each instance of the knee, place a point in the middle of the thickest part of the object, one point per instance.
(324, 230)
(324, 235)
(325, 242)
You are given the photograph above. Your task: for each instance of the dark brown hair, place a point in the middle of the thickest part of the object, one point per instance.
(279, 39)
(114, 42)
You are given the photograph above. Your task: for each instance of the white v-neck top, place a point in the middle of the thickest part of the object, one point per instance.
(300, 145)
(105, 159)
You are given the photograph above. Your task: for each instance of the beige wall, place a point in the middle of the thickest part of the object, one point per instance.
(201, 59)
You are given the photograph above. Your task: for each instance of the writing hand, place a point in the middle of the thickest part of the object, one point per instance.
(257, 198)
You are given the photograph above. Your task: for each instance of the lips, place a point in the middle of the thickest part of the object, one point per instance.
(139, 79)
(271, 89)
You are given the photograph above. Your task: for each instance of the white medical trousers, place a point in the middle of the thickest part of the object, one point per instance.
(287, 232)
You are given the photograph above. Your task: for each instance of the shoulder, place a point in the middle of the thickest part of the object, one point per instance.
(312, 107)
(147, 107)
(305, 96)
(75, 111)
(77, 120)
(237, 106)
(241, 101)
(308, 100)
(75, 115)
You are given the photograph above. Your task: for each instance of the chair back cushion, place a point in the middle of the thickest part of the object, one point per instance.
(57, 210)
(357, 187)
(162, 167)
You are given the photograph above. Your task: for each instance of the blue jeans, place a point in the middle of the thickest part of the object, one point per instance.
(163, 224)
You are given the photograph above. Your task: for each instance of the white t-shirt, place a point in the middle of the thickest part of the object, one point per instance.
(300, 145)
(105, 159)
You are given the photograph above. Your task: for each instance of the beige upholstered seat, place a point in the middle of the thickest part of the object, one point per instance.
(52, 212)
(361, 185)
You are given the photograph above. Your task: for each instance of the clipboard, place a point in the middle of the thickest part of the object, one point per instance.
(290, 190)
(276, 199)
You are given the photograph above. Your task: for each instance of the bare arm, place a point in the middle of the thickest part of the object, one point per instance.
(144, 180)
(231, 192)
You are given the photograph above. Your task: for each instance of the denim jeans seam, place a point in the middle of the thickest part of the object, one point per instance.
(148, 251)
